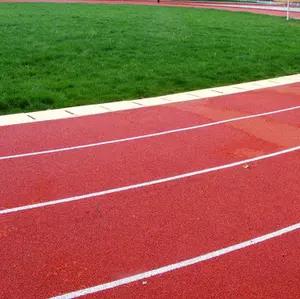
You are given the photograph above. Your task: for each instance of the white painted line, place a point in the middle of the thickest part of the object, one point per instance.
(64, 149)
(145, 184)
(182, 264)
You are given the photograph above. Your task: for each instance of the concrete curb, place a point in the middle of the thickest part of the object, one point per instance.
(78, 111)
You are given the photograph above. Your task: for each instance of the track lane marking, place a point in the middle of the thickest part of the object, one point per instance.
(64, 149)
(175, 266)
(145, 184)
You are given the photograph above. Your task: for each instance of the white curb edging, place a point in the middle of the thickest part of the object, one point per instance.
(85, 110)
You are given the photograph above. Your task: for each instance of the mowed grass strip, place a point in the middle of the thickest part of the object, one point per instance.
(58, 55)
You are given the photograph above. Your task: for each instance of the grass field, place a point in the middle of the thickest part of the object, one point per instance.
(58, 55)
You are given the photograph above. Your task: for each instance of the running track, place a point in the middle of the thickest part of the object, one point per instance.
(207, 212)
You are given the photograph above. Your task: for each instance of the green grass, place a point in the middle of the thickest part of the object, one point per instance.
(57, 55)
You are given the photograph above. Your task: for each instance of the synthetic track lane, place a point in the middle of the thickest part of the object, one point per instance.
(265, 270)
(55, 176)
(18, 139)
(270, 12)
(77, 245)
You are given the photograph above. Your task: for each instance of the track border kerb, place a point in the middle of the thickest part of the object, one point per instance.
(79, 111)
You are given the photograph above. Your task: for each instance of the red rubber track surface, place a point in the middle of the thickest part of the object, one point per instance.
(205, 5)
(66, 247)
(42, 178)
(122, 124)
(266, 271)
(70, 246)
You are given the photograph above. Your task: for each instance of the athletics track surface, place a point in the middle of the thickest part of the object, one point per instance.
(123, 219)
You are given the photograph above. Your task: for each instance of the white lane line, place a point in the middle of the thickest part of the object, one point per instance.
(147, 135)
(144, 184)
(182, 264)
